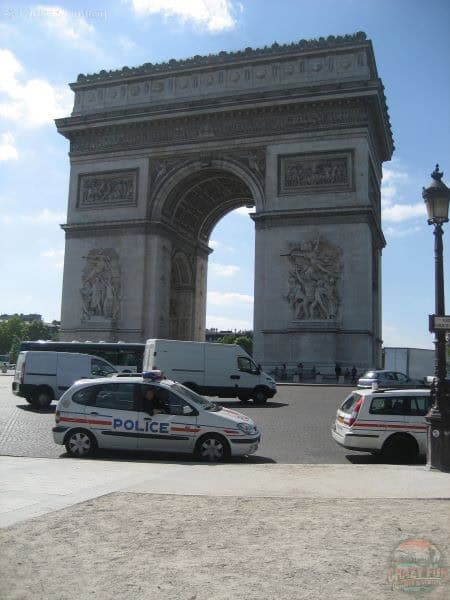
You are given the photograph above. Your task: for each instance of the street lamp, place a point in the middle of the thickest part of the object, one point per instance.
(437, 198)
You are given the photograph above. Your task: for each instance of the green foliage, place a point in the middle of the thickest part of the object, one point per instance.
(15, 330)
(245, 342)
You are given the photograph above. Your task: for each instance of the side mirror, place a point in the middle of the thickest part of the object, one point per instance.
(187, 410)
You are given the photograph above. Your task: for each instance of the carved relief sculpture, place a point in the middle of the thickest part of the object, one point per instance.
(100, 284)
(103, 189)
(314, 277)
(299, 172)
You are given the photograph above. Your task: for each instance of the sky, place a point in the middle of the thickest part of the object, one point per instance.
(44, 46)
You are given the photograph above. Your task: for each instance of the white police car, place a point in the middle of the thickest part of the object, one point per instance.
(116, 413)
(388, 422)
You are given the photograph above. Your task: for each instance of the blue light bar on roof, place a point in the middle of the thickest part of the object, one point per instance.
(154, 375)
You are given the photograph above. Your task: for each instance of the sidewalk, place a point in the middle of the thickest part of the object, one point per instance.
(36, 486)
(189, 531)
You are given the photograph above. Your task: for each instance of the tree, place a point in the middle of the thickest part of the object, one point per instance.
(245, 342)
(14, 327)
(37, 330)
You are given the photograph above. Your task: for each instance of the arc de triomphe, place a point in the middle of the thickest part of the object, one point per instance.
(160, 153)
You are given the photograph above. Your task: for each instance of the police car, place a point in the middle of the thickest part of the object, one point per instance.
(115, 413)
(388, 422)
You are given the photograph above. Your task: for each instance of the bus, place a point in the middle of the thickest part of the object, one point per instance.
(124, 356)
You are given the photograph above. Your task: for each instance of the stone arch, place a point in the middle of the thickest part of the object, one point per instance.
(159, 153)
(189, 204)
(170, 176)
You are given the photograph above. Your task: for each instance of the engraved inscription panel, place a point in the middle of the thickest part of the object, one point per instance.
(302, 172)
(107, 189)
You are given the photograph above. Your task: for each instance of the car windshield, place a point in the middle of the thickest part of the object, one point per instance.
(192, 396)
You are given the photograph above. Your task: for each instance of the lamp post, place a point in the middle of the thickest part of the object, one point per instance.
(437, 198)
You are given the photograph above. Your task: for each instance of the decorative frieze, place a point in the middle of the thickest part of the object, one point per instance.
(114, 188)
(221, 126)
(302, 172)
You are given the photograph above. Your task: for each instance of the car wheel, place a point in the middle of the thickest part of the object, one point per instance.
(42, 398)
(212, 448)
(260, 396)
(400, 447)
(80, 444)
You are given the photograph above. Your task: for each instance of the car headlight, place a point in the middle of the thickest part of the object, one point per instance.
(246, 428)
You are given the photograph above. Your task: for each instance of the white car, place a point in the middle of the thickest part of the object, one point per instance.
(114, 413)
(388, 422)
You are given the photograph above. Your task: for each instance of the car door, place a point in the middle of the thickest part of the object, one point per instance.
(114, 416)
(248, 374)
(175, 430)
(415, 419)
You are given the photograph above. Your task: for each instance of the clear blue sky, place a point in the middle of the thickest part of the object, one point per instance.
(44, 46)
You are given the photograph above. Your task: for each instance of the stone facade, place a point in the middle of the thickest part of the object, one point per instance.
(160, 153)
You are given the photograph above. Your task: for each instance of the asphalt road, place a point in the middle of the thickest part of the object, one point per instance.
(295, 427)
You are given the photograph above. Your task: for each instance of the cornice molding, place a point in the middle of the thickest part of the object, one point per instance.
(223, 58)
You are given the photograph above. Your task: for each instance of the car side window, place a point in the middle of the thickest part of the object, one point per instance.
(85, 396)
(383, 405)
(118, 396)
(402, 378)
(178, 406)
(420, 405)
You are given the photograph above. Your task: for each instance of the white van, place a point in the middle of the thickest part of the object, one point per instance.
(223, 370)
(41, 377)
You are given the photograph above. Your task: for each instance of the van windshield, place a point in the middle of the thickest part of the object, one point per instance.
(192, 396)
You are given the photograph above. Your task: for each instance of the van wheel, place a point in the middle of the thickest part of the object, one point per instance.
(400, 447)
(80, 444)
(260, 396)
(212, 448)
(42, 398)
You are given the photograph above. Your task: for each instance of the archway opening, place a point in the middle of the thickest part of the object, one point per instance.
(231, 273)
(203, 200)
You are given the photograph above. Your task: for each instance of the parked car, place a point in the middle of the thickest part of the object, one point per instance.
(388, 422)
(388, 379)
(117, 413)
